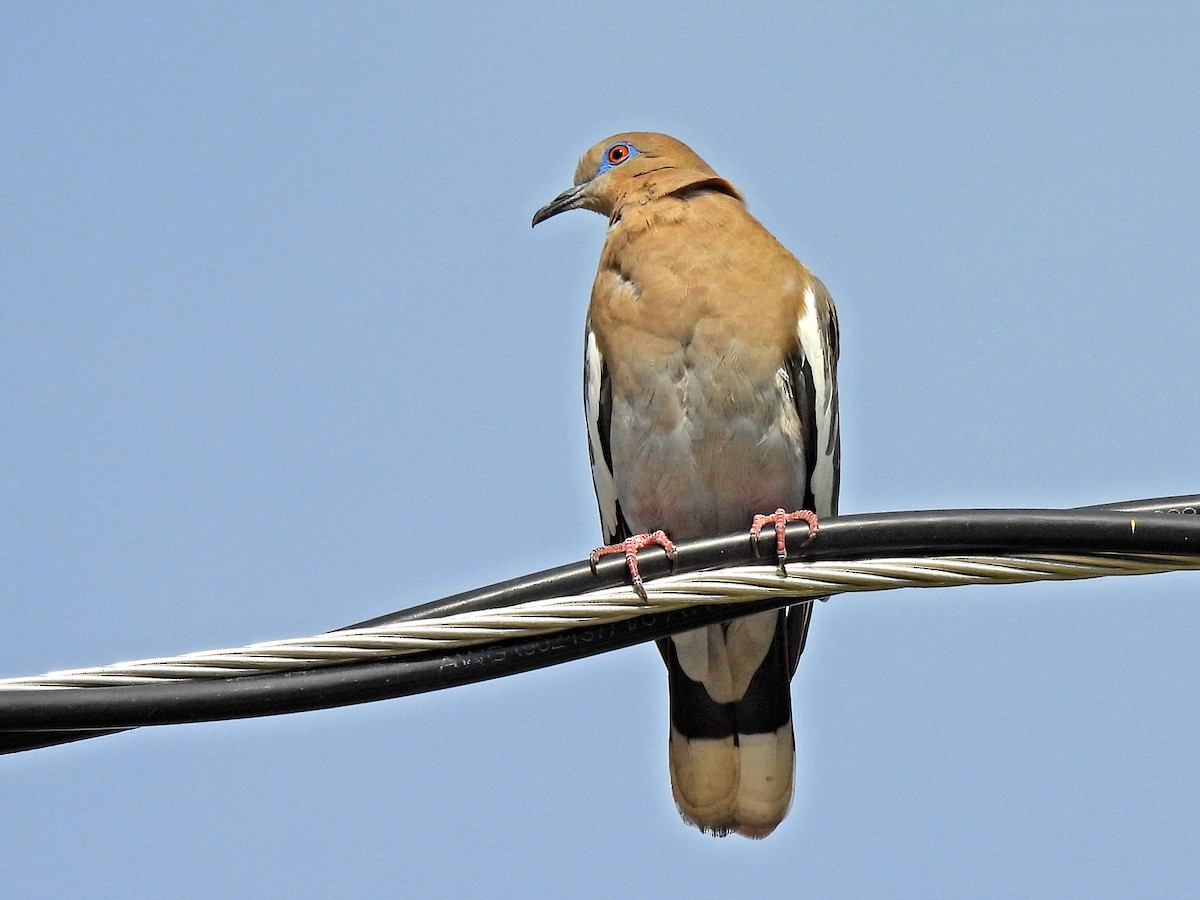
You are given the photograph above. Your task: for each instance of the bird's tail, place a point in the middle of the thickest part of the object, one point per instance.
(732, 749)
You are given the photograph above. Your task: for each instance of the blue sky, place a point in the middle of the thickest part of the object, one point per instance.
(275, 332)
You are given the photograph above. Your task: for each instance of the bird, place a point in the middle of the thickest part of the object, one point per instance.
(710, 396)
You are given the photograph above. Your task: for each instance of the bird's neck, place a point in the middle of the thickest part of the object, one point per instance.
(657, 184)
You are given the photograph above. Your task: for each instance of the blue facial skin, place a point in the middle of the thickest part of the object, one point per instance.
(605, 165)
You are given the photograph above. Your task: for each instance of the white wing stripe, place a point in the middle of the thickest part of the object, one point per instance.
(813, 344)
(602, 476)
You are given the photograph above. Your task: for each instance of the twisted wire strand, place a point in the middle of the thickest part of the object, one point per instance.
(548, 616)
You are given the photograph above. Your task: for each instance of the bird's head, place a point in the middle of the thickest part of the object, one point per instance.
(636, 166)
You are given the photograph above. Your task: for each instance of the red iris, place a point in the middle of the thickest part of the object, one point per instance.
(617, 153)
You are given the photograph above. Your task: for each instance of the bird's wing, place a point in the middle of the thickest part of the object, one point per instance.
(597, 409)
(810, 384)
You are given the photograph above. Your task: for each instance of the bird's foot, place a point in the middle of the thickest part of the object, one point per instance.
(780, 518)
(630, 547)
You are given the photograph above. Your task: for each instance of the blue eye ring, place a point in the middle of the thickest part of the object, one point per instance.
(617, 154)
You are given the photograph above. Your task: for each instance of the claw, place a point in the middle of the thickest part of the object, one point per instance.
(780, 518)
(630, 547)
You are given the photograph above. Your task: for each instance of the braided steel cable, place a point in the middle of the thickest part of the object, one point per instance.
(539, 618)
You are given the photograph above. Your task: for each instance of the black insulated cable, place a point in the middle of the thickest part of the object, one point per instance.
(30, 719)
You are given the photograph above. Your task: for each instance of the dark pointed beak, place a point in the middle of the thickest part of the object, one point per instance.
(572, 198)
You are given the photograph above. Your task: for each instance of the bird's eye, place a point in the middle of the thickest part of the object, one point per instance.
(617, 154)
